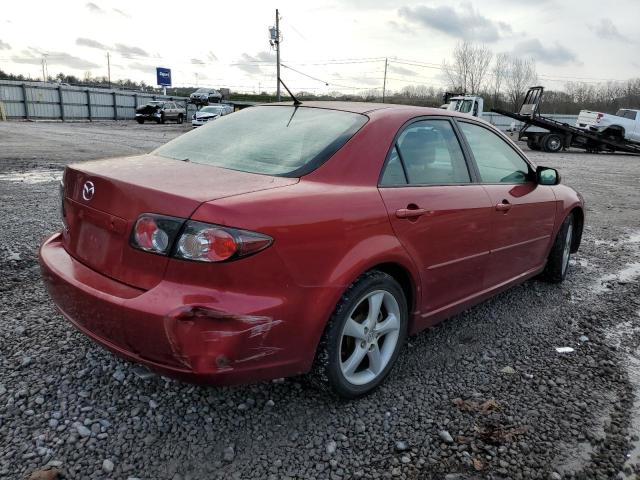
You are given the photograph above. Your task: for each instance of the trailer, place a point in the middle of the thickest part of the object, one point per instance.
(558, 135)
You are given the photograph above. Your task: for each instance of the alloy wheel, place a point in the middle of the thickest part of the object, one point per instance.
(369, 337)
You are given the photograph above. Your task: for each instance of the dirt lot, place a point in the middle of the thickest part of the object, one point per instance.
(484, 395)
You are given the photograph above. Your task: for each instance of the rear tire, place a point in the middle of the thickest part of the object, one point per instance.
(553, 143)
(558, 261)
(615, 133)
(140, 120)
(363, 337)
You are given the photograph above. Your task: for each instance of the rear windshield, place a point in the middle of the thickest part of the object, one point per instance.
(271, 140)
(626, 114)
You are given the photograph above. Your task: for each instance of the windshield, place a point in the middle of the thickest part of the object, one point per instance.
(465, 106)
(272, 140)
(626, 114)
(212, 109)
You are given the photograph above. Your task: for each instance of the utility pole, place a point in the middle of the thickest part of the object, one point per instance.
(44, 78)
(277, 40)
(384, 83)
(274, 41)
(109, 69)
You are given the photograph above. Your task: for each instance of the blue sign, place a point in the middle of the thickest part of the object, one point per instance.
(164, 76)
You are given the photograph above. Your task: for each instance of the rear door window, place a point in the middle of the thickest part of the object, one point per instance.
(497, 161)
(394, 171)
(430, 154)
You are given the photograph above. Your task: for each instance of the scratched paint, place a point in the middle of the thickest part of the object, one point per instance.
(202, 337)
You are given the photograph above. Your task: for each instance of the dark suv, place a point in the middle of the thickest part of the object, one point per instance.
(160, 111)
(204, 96)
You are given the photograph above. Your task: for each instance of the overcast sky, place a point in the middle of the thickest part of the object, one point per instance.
(342, 42)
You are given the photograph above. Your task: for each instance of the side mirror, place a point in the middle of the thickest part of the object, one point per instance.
(547, 176)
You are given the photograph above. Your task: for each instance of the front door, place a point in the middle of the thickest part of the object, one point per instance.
(441, 218)
(523, 212)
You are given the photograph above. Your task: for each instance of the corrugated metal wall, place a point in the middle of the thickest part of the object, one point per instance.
(65, 102)
(79, 103)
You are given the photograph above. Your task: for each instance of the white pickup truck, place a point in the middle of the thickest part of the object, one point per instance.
(466, 104)
(625, 124)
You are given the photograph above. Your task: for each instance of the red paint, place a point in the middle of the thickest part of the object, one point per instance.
(262, 316)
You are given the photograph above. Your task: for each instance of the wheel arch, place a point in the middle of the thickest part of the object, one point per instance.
(401, 275)
(615, 130)
(578, 217)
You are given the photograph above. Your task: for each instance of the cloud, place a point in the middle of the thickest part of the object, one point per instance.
(392, 68)
(142, 67)
(93, 8)
(4, 45)
(120, 12)
(196, 61)
(251, 63)
(128, 51)
(465, 24)
(54, 59)
(87, 42)
(556, 55)
(212, 57)
(607, 30)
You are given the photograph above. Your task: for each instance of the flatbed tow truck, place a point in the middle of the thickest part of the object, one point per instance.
(559, 135)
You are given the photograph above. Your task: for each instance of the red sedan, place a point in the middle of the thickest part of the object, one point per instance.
(284, 239)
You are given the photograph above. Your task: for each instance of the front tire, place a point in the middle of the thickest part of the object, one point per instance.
(140, 120)
(558, 261)
(180, 119)
(364, 336)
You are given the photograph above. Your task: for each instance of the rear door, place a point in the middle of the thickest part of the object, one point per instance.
(439, 215)
(523, 213)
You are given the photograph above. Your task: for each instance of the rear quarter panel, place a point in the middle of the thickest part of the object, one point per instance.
(328, 229)
(325, 236)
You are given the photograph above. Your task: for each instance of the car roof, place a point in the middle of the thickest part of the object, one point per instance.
(366, 107)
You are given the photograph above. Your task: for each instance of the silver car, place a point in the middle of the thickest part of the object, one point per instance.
(209, 113)
(160, 111)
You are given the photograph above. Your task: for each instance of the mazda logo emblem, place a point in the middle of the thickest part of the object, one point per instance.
(88, 189)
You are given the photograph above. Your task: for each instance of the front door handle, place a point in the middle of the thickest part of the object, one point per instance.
(410, 212)
(503, 206)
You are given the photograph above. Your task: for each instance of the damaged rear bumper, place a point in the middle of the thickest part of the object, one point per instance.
(169, 328)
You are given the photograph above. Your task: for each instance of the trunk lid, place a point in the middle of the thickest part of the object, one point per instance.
(103, 199)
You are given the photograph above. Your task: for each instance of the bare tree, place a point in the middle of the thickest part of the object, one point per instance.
(499, 72)
(521, 74)
(469, 67)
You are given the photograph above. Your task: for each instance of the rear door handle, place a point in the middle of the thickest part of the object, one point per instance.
(410, 212)
(503, 206)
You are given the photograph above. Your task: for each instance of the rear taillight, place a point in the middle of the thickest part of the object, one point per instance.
(599, 116)
(204, 242)
(155, 233)
(197, 241)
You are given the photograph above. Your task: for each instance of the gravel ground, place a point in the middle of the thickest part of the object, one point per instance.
(485, 395)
